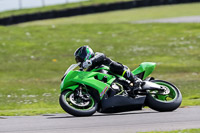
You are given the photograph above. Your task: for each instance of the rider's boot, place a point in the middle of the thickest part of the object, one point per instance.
(134, 79)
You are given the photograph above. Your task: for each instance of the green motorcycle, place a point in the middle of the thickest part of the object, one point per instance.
(85, 92)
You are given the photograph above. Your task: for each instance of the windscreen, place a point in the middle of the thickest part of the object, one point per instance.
(72, 67)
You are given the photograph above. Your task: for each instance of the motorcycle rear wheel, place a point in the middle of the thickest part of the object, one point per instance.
(75, 106)
(168, 102)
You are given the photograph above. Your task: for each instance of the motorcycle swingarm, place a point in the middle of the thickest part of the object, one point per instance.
(147, 85)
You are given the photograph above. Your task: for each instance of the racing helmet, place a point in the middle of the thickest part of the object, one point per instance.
(83, 53)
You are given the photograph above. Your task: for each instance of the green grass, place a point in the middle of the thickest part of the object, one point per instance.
(56, 7)
(127, 16)
(30, 76)
(31, 111)
(34, 57)
(177, 131)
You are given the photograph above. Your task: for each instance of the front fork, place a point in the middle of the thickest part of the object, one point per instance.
(79, 93)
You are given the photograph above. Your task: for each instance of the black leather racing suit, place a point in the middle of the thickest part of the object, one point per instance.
(115, 67)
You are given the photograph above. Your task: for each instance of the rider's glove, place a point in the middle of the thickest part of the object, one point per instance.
(87, 64)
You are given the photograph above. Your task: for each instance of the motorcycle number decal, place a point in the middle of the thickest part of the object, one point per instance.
(104, 91)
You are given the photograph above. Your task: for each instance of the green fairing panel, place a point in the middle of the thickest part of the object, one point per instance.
(101, 68)
(81, 77)
(146, 67)
(73, 87)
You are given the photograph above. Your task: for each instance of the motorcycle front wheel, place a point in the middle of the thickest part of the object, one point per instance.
(75, 105)
(164, 102)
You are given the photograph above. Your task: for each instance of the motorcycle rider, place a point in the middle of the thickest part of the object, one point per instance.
(89, 60)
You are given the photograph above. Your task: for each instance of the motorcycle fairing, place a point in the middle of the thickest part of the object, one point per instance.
(120, 103)
(99, 81)
(100, 68)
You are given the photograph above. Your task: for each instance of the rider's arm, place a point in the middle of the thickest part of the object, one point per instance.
(100, 59)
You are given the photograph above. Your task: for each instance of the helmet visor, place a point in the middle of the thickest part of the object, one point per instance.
(78, 59)
(80, 54)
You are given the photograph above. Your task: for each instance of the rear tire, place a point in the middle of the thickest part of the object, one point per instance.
(71, 107)
(160, 103)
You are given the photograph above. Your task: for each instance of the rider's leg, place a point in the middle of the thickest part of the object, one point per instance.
(120, 69)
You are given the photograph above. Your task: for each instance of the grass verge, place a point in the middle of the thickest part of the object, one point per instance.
(33, 59)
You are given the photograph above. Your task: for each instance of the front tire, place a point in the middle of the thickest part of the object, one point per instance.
(76, 107)
(167, 102)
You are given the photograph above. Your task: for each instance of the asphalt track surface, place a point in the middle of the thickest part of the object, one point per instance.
(126, 122)
(186, 19)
